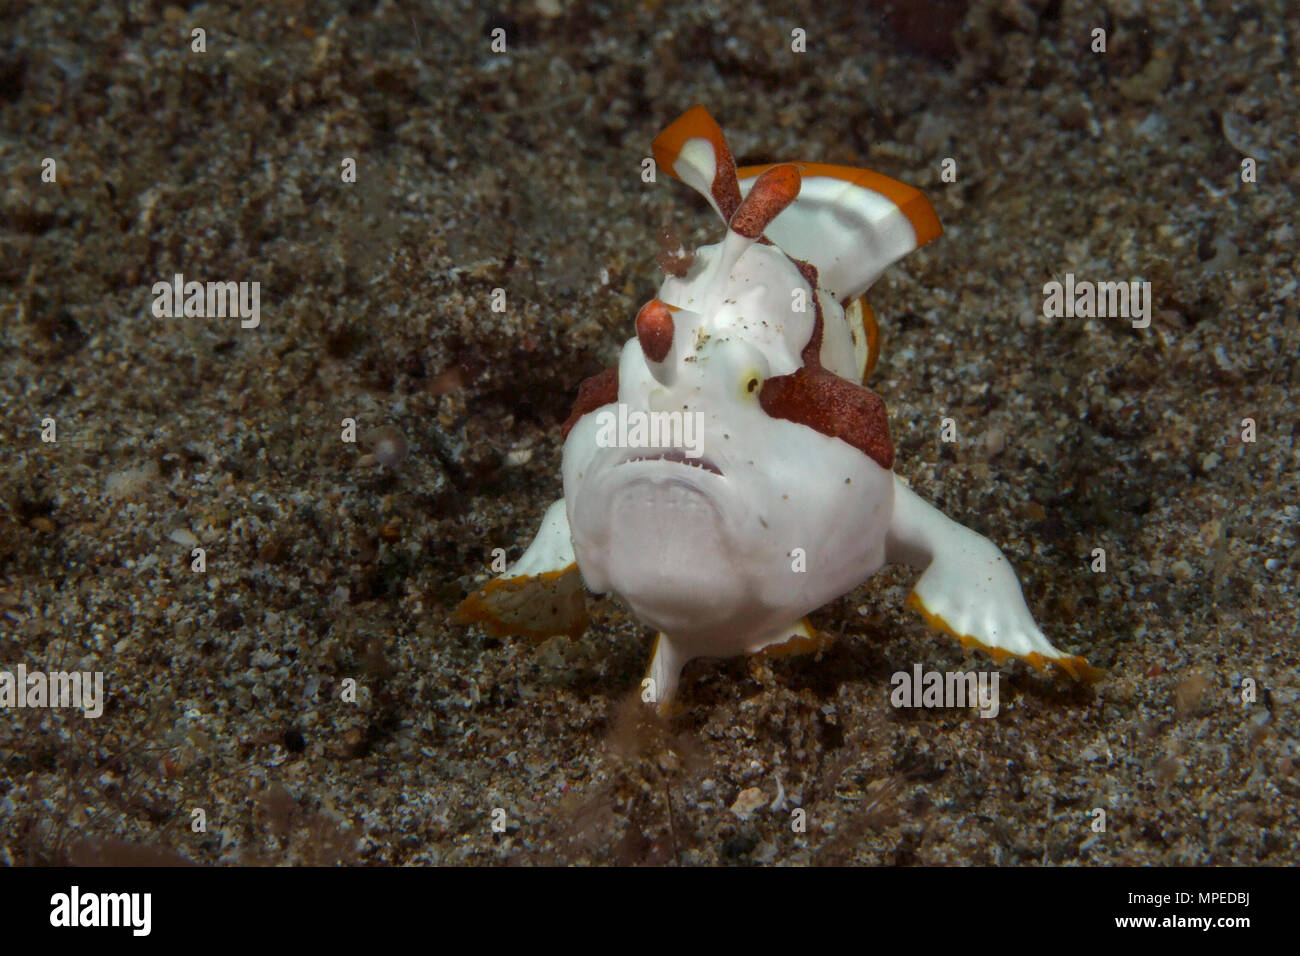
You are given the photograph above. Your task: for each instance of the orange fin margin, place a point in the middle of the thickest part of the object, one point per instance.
(1075, 666)
(909, 199)
(796, 644)
(537, 606)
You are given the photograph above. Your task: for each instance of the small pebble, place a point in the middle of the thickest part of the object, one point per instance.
(389, 446)
(184, 537)
(747, 801)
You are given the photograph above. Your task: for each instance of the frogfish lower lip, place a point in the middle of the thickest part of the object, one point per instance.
(678, 457)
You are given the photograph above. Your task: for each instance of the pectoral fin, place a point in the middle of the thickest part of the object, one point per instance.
(799, 638)
(541, 595)
(969, 589)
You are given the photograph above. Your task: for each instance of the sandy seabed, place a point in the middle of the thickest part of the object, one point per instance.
(522, 171)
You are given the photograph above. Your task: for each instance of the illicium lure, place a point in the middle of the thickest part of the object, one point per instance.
(731, 475)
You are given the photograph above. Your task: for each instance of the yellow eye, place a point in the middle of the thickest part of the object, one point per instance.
(743, 367)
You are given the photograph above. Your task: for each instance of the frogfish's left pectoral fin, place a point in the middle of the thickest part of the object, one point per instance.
(968, 589)
(541, 595)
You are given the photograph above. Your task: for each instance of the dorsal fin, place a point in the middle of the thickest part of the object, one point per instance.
(850, 223)
(693, 149)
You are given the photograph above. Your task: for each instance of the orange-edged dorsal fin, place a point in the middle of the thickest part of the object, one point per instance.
(850, 223)
(693, 149)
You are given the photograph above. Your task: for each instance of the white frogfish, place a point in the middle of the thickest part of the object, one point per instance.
(731, 474)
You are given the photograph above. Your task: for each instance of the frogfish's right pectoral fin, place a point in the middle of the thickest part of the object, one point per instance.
(541, 595)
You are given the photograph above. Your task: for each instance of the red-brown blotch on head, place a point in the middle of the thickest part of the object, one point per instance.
(654, 330)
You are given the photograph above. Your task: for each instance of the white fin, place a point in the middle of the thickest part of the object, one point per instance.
(850, 223)
(968, 589)
(797, 638)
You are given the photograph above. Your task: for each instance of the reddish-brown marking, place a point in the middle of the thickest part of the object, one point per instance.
(772, 192)
(593, 393)
(726, 185)
(674, 258)
(654, 330)
(823, 401)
